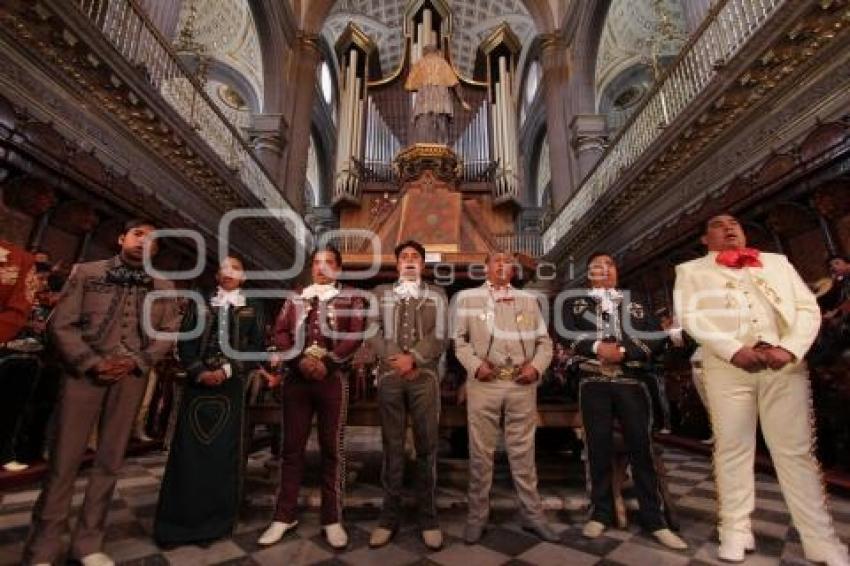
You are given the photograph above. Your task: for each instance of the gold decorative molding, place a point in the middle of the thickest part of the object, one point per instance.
(778, 62)
(412, 162)
(442, 8)
(353, 35)
(502, 35)
(91, 77)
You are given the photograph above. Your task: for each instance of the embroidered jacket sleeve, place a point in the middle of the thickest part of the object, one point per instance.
(376, 334)
(698, 321)
(580, 336)
(464, 351)
(799, 337)
(353, 312)
(643, 338)
(284, 328)
(66, 324)
(168, 321)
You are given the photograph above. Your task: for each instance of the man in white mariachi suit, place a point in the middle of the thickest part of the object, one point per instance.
(755, 319)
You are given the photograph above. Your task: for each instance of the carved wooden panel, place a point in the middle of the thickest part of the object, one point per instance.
(776, 167)
(75, 217)
(833, 199)
(822, 139)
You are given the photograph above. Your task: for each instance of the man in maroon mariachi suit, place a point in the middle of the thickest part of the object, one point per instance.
(322, 328)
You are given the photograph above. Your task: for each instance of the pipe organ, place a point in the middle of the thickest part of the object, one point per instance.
(426, 153)
(382, 145)
(376, 113)
(473, 146)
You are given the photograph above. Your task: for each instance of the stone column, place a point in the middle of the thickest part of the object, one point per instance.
(554, 58)
(589, 133)
(302, 76)
(268, 134)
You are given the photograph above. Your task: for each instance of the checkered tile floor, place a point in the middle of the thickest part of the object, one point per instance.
(562, 486)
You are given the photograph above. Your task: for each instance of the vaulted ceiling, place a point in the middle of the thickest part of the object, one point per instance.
(631, 36)
(472, 21)
(228, 33)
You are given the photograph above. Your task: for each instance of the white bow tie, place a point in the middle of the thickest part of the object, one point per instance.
(608, 298)
(228, 298)
(407, 289)
(322, 292)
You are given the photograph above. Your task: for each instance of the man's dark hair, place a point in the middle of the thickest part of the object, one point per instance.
(237, 257)
(597, 254)
(496, 252)
(842, 257)
(327, 248)
(715, 215)
(420, 249)
(136, 222)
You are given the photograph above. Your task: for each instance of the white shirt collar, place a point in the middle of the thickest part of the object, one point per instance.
(500, 293)
(608, 298)
(224, 298)
(324, 292)
(407, 289)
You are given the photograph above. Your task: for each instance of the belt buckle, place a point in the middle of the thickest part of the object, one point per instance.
(506, 373)
(316, 351)
(610, 371)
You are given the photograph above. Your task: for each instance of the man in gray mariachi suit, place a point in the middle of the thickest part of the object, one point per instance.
(501, 340)
(100, 327)
(409, 336)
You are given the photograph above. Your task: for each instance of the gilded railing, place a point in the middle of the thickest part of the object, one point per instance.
(727, 28)
(125, 25)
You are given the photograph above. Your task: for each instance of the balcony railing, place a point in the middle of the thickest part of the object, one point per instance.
(125, 25)
(729, 26)
(528, 243)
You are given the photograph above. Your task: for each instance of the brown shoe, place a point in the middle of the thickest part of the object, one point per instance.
(381, 536)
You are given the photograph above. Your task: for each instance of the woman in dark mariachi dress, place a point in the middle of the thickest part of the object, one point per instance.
(200, 493)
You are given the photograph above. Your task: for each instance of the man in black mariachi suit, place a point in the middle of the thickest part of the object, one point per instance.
(199, 498)
(615, 339)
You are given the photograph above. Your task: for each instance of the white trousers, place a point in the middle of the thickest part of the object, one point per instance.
(782, 401)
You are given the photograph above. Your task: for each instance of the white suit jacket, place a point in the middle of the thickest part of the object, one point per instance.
(712, 307)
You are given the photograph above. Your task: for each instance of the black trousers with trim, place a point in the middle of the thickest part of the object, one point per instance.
(601, 402)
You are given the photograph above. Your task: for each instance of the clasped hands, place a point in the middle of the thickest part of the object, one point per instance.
(762, 356)
(113, 368)
(313, 368)
(610, 353)
(527, 373)
(404, 365)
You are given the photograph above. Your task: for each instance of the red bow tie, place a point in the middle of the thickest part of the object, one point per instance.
(736, 259)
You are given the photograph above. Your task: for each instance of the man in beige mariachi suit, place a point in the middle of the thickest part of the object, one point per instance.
(755, 319)
(502, 342)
